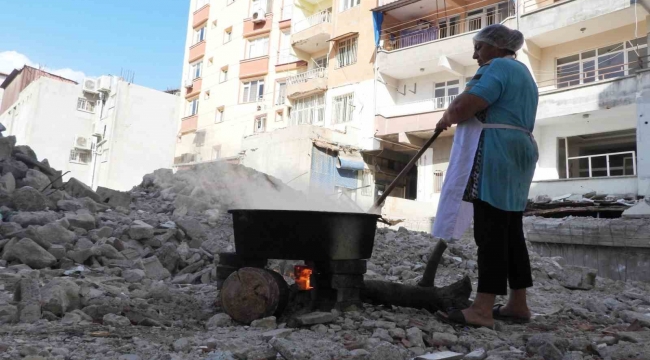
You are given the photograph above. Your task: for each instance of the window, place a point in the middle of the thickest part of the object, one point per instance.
(199, 34)
(318, 63)
(598, 155)
(348, 4)
(196, 70)
(445, 92)
(308, 110)
(278, 116)
(258, 47)
(601, 64)
(227, 35)
(343, 108)
(366, 184)
(347, 52)
(82, 104)
(206, 95)
(437, 181)
(216, 152)
(223, 76)
(253, 91)
(80, 156)
(218, 117)
(193, 107)
(201, 3)
(281, 94)
(260, 124)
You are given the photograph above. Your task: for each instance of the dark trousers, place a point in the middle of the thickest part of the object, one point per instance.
(502, 253)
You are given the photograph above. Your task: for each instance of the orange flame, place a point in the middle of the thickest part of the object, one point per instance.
(302, 275)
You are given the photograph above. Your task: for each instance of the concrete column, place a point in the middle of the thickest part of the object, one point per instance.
(643, 130)
(425, 177)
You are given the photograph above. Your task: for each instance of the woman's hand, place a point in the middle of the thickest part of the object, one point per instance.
(444, 123)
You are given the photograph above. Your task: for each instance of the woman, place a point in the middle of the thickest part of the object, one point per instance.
(490, 171)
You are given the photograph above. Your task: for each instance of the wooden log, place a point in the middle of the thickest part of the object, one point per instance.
(432, 265)
(430, 298)
(252, 293)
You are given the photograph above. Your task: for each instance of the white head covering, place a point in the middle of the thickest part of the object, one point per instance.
(501, 37)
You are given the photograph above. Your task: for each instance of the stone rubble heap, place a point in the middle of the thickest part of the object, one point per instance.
(117, 275)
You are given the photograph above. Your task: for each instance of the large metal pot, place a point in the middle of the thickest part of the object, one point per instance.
(303, 235)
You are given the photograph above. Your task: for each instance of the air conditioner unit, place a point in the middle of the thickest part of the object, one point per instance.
(104, 83)
(81, 142)
(259, 15)
(90, 85)
(189, 83)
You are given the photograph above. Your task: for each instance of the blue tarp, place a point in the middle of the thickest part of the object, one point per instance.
(377, 20)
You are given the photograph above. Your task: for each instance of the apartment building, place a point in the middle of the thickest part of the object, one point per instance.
(3, 76)
(589, 58)
(105, 132)
(284, 87)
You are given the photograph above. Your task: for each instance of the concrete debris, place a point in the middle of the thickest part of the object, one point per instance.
(132, 275)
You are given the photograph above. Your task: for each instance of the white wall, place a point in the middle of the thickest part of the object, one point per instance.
(48, 121)
(142, 136)
(574, 125)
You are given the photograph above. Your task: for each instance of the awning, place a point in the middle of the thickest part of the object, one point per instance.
(341, 37)
(350, 162)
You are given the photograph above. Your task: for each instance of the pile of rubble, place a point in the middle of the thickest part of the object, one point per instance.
(577, 204)
(115, 275)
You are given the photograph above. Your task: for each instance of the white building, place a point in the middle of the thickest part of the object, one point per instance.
(105, 132)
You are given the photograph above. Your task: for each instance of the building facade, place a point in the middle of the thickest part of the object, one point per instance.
(105, 132)
(589, 59)
(284, 87)
(3, 76)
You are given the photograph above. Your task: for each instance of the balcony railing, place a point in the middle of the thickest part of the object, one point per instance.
(603, 165)
(287, 12)
(439, 29)
(415, 107)
(532, 5)
(321, 17)
(286, 57)
(569, 79)
(307, 75)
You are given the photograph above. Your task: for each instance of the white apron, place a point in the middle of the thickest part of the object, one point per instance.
(455, 215)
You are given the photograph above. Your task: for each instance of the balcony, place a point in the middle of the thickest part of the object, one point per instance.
(416, 107)
(547, 22)
(285, 20)
(189, 124)
(254, 67)
(254, 29)
(200, 16)
(287, 61)
(307, 83)
(197, 51)
(311, 34)
(576, 93)
(424, 45)
(195, 89)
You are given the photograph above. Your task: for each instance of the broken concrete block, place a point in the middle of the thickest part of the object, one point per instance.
(443, 355)
(78, 189)
(414, 336)
(632, 316)
(28, 296)
(114, 198)
(266, 323)
(133, 275)
(8, 182)
(158, 177)
(29, 253)
(278, 333)
(17, 168)
(75, 317)
(25, 150)
(7, 147)
(153, 269)
(29, 199)
(578, 278)
(55, 233)
(35, 179)
(191, 205)
(140, 230)
(116, 320)
(169, 257)
(316, 318)
(82, 221)
(478, 354)
(25, 219)
(193, 230)
(60, 295)
(58, 251)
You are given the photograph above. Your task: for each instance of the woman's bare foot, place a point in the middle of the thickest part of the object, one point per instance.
(474, 317)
